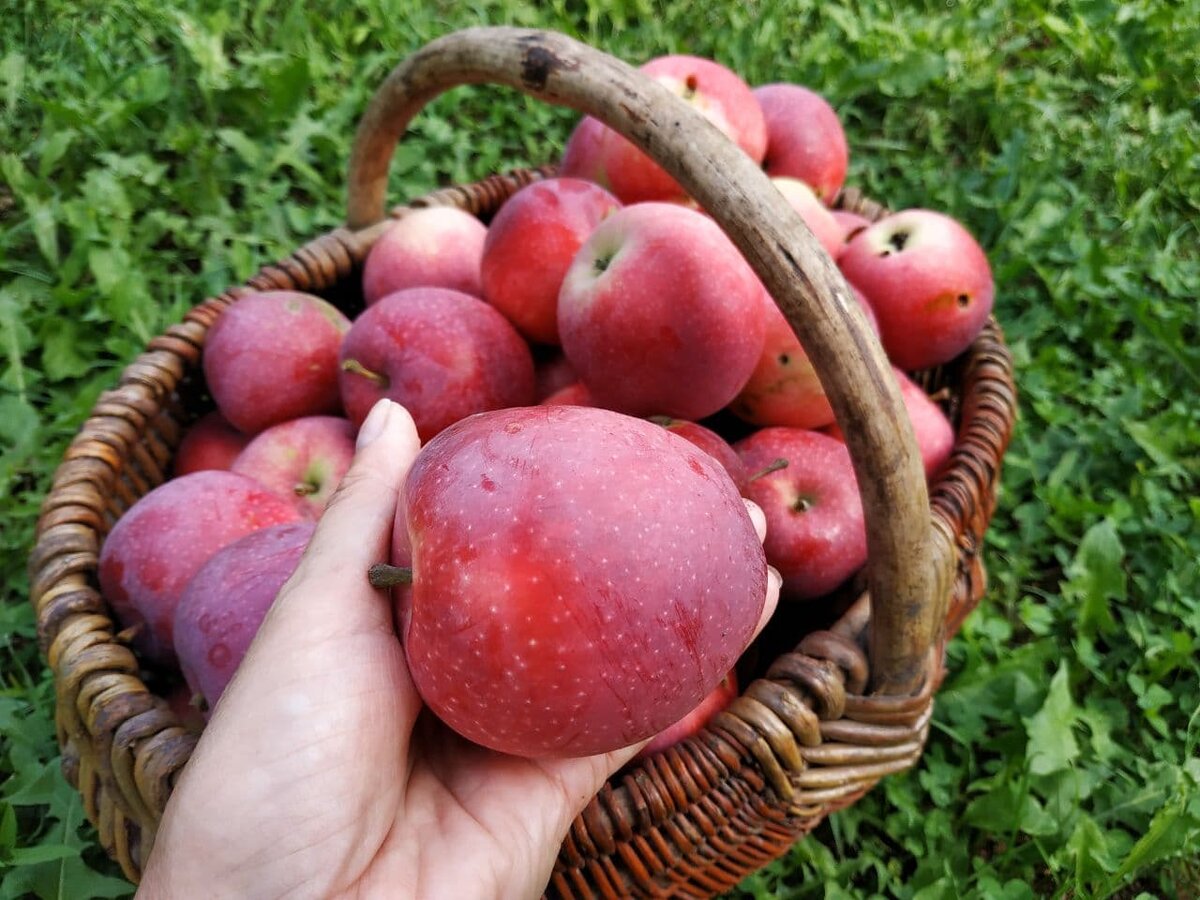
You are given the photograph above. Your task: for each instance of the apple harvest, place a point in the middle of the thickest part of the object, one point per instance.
(599, 379)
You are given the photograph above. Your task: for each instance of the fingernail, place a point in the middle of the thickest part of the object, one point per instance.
(774, 576)
(373, 425)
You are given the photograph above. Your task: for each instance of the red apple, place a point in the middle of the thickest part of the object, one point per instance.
(303, 460)
(933, 431)
(805, 139)
(441, 354)
(716, 700)
(711, 88)
(227, 599)
(851, 224)
(272, 356)
(582, 156)
(581, 579)
(816, 216)
(784, 388)
(816, 532)
(575, 394)
(440, 246)
(928, 281)
(660, 315)
(211, 443)
(711, 443)
(530, 245)
(162, 540)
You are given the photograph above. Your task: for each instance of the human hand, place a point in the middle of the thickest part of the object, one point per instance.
(319, 776)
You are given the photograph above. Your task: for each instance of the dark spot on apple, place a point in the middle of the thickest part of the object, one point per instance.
(690, 85)
(784, 359)
(602, 262)
(964, 301)
(487, 484)
(695, 466)
(513, 428)
(898, 239)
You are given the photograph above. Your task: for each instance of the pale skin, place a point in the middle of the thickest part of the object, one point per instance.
(319, 776)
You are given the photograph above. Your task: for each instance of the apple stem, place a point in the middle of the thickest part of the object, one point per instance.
(353, 365)
(304, 488)
(780, 463)
(381, 575)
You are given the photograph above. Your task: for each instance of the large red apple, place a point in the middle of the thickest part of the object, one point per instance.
(163, 539)
(226, 600)
(436, 247)
(581, 579)
(712, 89)
(660, 315)
(805, 138)
(933, 431)
(302, 459)
(928, 281)
(441, 354)
(529, 247)
(816, 532)
(272, 356)
(211, 443)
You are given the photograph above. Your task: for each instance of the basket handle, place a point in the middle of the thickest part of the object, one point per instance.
(905, 587)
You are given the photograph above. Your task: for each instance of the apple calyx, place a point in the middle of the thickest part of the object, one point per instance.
(780, 463)
(355, 367)
(382, 575)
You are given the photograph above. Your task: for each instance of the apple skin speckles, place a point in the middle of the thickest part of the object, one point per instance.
(582, 579)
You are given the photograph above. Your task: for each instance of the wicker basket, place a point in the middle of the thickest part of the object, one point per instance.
(833, 711)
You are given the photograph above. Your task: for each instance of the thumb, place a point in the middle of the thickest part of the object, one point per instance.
(355, 530)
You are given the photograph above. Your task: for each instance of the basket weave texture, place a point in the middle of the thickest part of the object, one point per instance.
(804, 739)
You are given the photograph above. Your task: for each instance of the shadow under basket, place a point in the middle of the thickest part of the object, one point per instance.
(808, 736)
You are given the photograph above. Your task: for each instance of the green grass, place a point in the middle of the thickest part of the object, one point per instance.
(151, 155)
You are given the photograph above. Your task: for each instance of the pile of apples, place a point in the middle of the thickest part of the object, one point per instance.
(574, 523)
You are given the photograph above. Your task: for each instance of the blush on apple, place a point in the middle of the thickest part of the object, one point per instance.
(529, 247)
(716, 700)
(440, 246)
(226, 600)
(816, 216)
(784, 388)
(816, 531)
(302, 459)
(211, 443)
(272, 356)
(933, 431)
(439, 353)
(160, 542)
(928, 281)
(582, 157)
(711, 443)
(713, 90)
(580, 579)
(660, 315)
(805, 138)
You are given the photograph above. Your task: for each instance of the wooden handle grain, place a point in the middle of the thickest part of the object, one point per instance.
(905, 581)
